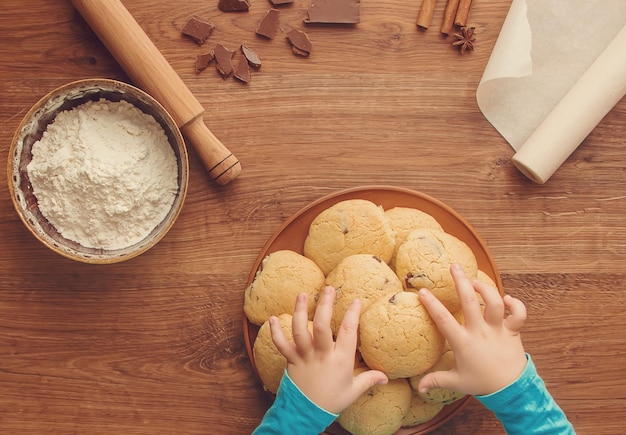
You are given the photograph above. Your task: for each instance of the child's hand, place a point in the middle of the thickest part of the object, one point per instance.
(321, 368)
(488, 350)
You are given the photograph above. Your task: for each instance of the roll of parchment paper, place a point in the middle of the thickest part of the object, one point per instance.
(576, 115)
(543, 50)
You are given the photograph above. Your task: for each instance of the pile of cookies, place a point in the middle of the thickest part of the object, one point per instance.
(382, 257)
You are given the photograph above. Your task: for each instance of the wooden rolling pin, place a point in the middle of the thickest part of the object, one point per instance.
(148, 69)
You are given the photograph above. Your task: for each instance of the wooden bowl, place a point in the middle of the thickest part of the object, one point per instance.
(31, 130)
(292, 233)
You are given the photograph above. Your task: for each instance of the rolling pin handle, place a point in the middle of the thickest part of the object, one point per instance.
(146, 67)
(222, 165)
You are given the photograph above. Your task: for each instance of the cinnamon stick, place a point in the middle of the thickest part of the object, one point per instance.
(462, 13)
(449, 16)
(425, 15)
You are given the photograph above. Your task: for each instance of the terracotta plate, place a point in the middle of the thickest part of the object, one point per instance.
(292, 233)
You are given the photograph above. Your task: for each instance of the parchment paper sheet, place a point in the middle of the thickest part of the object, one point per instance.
(544, 50)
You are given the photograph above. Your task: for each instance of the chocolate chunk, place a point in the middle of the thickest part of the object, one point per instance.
(334, 12)
(300, 43)
(268, 24)
(234, 5)
(242, 72)
(204, 60)
(281, 2)
(223, 60)
(252, 58)
(198, 29)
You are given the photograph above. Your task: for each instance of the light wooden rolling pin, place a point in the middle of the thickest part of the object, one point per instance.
(146, 66)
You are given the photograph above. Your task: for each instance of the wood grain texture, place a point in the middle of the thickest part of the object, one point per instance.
(154, 345)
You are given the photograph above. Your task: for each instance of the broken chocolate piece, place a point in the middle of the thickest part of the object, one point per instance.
(268, 24)
(300, 43)
(223, 60)
(234, 5)
(281, 2)
(334, 12)
(198, 29)
(252, 58)
(204, 60)
(242, 73)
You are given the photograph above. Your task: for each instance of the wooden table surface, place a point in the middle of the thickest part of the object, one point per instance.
(155, 345)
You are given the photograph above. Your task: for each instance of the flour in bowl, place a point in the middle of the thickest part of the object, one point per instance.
(104, 174)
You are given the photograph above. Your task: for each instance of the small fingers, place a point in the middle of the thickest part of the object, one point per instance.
(442, 379)
(494, 309)
(322, 334)
(366, 380)
(359, 384)
(515, 321)
(348, 331)
(300, 324)
(284, 346)
(467, 295)
(446, 323)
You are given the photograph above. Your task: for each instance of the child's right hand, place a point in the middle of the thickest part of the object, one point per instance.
(488, 349)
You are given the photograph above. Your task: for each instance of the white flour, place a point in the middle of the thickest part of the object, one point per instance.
(104, 174)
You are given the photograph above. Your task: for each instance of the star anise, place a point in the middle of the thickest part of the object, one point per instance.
(465, 39)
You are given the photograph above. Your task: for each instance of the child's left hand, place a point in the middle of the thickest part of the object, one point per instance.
(321, 368)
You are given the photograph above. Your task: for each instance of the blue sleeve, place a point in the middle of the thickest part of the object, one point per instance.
(293, 412)
(526, 407)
